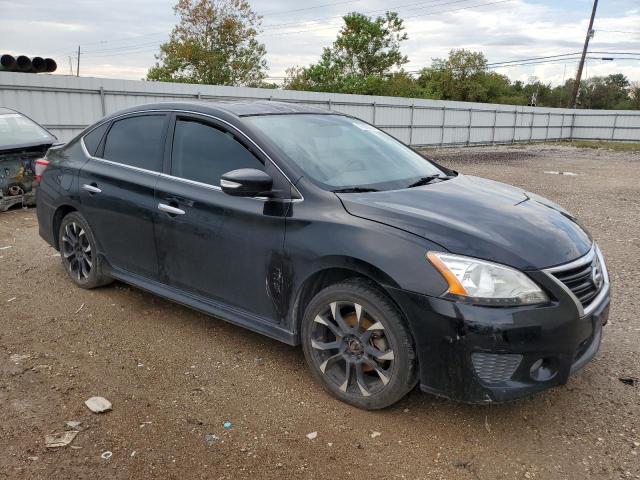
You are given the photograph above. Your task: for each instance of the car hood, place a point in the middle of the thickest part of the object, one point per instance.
(480, 218)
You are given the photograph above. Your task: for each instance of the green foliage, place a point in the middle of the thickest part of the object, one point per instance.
(359, 61)
(214, 43)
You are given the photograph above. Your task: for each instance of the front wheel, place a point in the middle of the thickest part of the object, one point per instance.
(357, 345)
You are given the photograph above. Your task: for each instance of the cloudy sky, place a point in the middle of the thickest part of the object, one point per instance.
(119, 38)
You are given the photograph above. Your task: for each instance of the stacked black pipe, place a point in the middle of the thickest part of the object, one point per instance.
(24, 64)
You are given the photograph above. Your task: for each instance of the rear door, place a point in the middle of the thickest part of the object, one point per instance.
(214, 245)
(117, 190)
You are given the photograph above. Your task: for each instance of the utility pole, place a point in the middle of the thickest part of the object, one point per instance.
(576, 87)
(78, 67)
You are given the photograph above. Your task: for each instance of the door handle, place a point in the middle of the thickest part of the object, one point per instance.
(91, 188)
(170, 210)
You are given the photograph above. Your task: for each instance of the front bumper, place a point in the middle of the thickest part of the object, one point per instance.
(480, 354)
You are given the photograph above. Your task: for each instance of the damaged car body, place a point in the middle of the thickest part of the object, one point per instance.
(318, 229)
(22, 144)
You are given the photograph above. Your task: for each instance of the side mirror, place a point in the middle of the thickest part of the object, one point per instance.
(246, 182)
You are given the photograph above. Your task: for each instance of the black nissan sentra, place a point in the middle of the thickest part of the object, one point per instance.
(316, 228)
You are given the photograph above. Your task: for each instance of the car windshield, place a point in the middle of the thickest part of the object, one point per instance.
(16, 129)
(343, 153)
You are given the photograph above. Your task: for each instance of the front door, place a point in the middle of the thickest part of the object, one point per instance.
(117, 191)
(209, 243)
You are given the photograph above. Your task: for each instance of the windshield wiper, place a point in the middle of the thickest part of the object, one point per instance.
(428, 179)
(356, 190)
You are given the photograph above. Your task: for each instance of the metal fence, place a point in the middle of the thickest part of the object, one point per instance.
(67, 104)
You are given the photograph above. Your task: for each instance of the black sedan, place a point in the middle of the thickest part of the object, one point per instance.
(316, 228)
(22, 144)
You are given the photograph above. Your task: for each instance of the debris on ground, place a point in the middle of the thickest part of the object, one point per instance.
(227, 425)
(375, 434)
(570, 174)
(11, 299)
(78, 310)
(258, 360)
(628, 381)
(106, 455)
(72, 425)
(17, 358)
(211, 438)
(312, 435)
(6, 248)
(56, 440)
(98, 404)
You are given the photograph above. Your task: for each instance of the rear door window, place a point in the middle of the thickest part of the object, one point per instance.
(202, 152)
(137, 141)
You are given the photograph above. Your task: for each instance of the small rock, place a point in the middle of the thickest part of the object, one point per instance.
(636, 444)
(33, 459)
(258, 360)
(375, 434)
(312, 435)
(98, 404)
(211, 438)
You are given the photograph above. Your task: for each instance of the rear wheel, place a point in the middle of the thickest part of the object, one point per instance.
(357, 345)
(79, 253)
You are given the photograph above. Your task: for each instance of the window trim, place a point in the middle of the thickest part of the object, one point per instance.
(300, 197)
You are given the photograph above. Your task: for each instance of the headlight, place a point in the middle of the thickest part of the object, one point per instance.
(485, 283)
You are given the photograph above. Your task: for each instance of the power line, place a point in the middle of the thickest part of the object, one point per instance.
(411, 16)
(282, 12)
(370, 12)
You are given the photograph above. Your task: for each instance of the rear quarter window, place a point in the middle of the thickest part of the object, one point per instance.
(93, 138)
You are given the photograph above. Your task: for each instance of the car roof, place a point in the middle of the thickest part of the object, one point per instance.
(238, 108)
(4, 110)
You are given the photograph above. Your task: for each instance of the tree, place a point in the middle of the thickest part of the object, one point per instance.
(463, 76)
(360, 59)
(215, 43)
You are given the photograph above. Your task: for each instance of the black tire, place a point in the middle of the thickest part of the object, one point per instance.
(79, 252)
(375, 350)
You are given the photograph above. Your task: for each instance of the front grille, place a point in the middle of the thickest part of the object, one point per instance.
(584, 280)
(495, 367)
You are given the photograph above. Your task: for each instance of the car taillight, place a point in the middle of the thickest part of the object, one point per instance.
(41, 165)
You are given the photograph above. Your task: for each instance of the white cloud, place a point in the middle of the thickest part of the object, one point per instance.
(119, 37)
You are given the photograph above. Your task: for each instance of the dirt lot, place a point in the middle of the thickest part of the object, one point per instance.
(175, 376)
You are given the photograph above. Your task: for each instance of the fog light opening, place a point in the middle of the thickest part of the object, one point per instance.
(543, 369)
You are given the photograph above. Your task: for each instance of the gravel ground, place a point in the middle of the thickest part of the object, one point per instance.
(174, 376)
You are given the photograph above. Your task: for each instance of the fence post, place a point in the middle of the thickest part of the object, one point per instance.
(374, 112)
(515, 122)
(533, 119)
(199, 96)
(573, 121)
(329, 104)
(615, 124)
(546, 135)
(413, 110)
(102, 103)
(444, 123)
(493, 129)
(469, 126)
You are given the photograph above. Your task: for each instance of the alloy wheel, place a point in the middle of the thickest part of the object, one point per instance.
(350, 347)
(76, 251)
